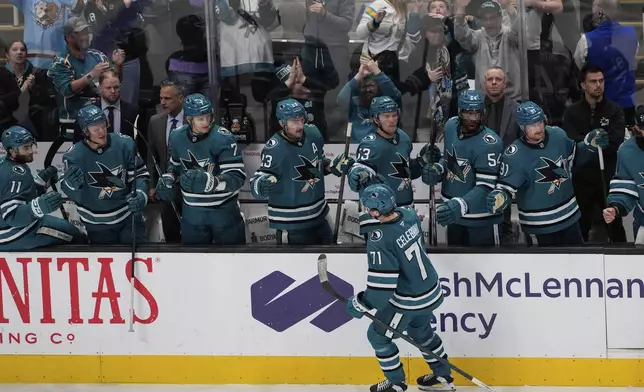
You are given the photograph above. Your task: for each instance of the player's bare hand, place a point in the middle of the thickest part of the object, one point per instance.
(610, 214)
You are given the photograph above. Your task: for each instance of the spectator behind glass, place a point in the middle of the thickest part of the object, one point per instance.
(494, 44)
(23, 90)
(593, 111)
(189, 66)
(245, 42)
(390, 33)
(75, 73)
(43, 27)
(611, 47)
(116, 25)
(325, 54)
(357, 94)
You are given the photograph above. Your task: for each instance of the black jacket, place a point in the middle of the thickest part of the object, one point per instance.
(579, 119)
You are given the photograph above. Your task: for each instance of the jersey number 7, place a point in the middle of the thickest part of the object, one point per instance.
(414, 252)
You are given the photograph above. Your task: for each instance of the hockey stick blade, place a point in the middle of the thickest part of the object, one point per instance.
(326, 285)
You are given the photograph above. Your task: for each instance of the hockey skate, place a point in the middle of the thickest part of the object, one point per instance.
(432, 382)
(388, 386)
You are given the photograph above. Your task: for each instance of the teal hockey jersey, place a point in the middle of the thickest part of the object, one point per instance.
(297, 200)
(109, 171)
(215, 153)
(400, 271)
(538, 175)
(627, 186)
(470, 170)
(17, 190)
(390, 158)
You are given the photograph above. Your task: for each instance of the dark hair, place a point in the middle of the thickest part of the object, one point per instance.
(586, 69)
(176, 85)
(6, 48)
(105, 74)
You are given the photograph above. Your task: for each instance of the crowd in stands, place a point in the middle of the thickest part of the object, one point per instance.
(138, 59)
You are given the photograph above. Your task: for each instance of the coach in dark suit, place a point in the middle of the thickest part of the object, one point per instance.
(121, 115)
(159, 129)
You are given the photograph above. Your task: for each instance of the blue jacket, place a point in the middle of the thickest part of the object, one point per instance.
(613, 47)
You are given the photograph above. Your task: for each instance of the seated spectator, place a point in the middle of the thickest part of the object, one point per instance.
(357, 94)
(116, 24)
(75, 74)
(23, 90)
(493, 45)
(612, 47)
(390, 32)
(120, 114)
(43, 25)
(189, 66)
(594, 111)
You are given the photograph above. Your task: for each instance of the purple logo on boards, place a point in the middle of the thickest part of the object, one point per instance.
(286, 310)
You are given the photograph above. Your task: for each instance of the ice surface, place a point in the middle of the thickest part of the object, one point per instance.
(265, 388)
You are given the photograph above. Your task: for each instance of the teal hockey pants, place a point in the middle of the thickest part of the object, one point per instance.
(48, 231)
(458, 235)
(120, 233)
(223, 225)
(418, 327)
(317, 235)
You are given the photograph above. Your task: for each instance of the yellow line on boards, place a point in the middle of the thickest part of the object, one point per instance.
(307, 370)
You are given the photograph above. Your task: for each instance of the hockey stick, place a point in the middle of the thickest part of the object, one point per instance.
(53, 149)
(324, 280)
(133, 255)
(338, 211)
(432, 196)
(600, 155)
(156, 163)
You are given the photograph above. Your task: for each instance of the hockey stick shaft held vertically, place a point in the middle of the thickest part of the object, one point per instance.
(135, 153)
(432, 194)
(602, 173)
(324, 280)
(338, 211)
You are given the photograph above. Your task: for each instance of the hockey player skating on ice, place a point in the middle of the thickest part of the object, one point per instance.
(468, 171)
(402, 285)
(208, 166)
(627, 186)
(291, 177)
(387, 152)
(98, 177)
(24, 205)
(536, 169)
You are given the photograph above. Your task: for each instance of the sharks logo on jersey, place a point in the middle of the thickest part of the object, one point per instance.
(401, 172)
(308, 173)
(457, 168)
(109, 180)
(193, 163)
(554, 172)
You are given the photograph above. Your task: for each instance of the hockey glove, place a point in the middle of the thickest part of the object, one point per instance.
(137, 201)
(359, 178)
(198, 181)
(47, 176)
(263, 185)
(497, 201)
(355, 307)
(432, 174)
(429, 154)
(46, 204)
(596, 138)
(165, 187)
(341, 165)
(74, 177)
(450, 211)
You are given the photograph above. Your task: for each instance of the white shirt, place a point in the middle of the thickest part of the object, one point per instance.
(168, 126)
(117, 113)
